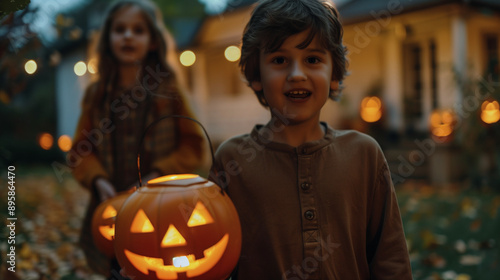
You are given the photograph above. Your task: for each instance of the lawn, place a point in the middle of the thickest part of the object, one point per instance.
(452, 233)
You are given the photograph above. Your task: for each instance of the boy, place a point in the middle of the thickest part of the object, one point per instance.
(314, 203)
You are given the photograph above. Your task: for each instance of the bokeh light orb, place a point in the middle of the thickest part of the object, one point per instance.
(232, 53)
(30, 66)
(80, 68)
(187, 58)
(64, 142)
(45, 140)
(92, 66)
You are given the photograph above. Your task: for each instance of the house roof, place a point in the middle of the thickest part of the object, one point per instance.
(360, 10)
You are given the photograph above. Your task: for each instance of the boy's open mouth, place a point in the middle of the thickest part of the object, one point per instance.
(298, 94)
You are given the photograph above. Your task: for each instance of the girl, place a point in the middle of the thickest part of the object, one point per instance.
(135, 86)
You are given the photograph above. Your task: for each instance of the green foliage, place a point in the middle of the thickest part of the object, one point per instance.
(9, 6)
(480, 141)
(452, 232)
(29, 114)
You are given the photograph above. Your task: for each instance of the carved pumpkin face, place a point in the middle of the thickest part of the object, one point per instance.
(103, 223)
(371, 109)
(178, 228)
(490, 112)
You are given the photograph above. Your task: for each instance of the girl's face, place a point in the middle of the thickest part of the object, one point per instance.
(130, 37)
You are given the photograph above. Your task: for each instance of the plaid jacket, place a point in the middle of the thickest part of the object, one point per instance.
(106, 144)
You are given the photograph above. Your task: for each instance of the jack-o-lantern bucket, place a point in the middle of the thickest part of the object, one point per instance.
(103, 223)
(178, 227)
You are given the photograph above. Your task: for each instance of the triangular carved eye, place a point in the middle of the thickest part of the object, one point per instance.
(141, 223)
(172, 238)
(200, 216)
(109, 212)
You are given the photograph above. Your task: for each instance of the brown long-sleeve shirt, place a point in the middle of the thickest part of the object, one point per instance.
(324, 210)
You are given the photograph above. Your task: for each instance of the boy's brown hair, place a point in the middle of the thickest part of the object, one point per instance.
(273, 21)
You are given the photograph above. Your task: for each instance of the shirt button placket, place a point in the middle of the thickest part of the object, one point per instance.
(305, 186)
(310, 229)
(309, 214)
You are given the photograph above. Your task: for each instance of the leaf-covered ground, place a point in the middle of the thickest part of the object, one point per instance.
(452, 233)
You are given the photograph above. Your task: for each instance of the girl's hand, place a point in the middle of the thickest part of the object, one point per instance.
(105, 189)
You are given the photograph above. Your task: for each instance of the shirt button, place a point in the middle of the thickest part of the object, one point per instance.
(305, 186)
(309, 214)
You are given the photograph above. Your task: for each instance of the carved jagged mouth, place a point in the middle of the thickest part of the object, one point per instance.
(192, 267)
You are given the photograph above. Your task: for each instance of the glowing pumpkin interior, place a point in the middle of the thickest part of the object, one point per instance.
(178, 226)
(108, 231)
(103, 223)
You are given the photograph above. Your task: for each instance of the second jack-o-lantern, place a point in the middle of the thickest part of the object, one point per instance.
(178, 227)
(103, 223)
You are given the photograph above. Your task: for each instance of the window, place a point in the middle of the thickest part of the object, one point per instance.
(434, 97)
(413, 82)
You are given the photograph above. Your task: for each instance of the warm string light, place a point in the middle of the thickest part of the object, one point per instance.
(232, 53)
(45, 140)
(64, 142)
(92, 66)
(187, 58)
(80, 68)
(30, 66)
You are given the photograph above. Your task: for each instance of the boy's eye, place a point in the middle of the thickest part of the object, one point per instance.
(278, 60)
(313, 60)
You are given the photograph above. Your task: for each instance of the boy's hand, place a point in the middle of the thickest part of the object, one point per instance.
(105, 189)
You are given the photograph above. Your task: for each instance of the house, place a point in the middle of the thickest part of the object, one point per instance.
(415, 55)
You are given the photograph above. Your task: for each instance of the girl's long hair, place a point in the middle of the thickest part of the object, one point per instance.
(158, 60)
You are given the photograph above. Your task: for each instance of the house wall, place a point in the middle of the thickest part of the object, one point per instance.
(379, 54)
(479, 25)
(69, 92)
(224, 103)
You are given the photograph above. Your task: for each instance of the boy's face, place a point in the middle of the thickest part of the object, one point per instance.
(296, 82)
